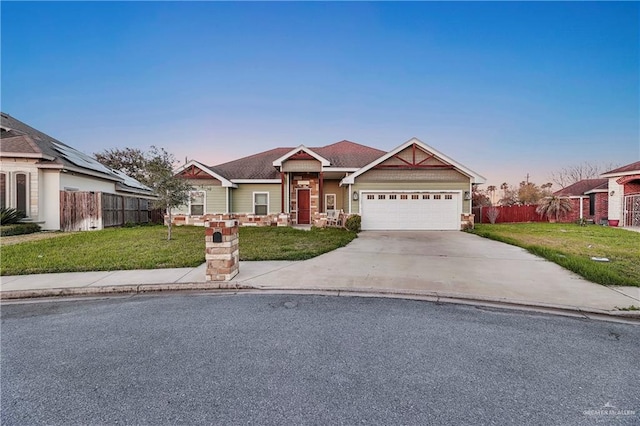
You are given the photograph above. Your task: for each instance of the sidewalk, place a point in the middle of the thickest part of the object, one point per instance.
(306, 276)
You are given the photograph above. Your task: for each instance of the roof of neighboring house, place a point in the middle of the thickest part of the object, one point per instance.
(343, 154)
(629, 168)
(582, 187)
(18, 139)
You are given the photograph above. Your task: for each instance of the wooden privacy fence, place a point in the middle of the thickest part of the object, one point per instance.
(84, 211)
(508, 214)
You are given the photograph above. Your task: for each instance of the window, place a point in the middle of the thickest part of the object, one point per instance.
(21, 192)
(381, 197)
(371, 197)
(393, 196)
(261, 203)
(592, 204)
(415, 196)
(426, 196)
(3, 190)
(329, 202)
(437, 197)
(403, 197)
(196, 203)
(448, 197)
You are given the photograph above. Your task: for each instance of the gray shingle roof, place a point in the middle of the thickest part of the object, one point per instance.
(343, 154)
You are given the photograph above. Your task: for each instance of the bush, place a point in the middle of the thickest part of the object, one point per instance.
(19, 229)
(353, 223)
(9, 216)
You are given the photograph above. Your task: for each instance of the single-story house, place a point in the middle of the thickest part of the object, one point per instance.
(624, 194)
(411, 187)
(614, 198)
(59, 187)
(589, 199)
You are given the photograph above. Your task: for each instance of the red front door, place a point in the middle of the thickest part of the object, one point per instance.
(304, 207)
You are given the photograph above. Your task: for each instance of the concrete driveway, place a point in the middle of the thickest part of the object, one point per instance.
(447, 263)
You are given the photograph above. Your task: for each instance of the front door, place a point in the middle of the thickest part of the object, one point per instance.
(304, 207)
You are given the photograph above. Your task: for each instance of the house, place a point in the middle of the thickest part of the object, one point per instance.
(614, 198)
(411, 187)
(59, 187)
(624, 194)
(589, 199)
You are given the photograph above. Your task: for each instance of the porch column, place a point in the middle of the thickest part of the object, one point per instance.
(282, 185)
(321, 193)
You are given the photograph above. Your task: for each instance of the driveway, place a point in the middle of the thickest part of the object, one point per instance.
(444, 262)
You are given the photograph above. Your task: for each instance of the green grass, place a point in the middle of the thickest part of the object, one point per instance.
(147, 247)
(572, 247)
(280, 243)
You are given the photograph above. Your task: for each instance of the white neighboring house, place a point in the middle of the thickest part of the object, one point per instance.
(37, 170)
(624, 195)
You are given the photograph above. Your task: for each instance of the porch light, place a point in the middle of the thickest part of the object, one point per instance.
(467, 195)
(355, 195)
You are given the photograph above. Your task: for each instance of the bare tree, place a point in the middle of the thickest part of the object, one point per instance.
(493, 213)
(577, 172)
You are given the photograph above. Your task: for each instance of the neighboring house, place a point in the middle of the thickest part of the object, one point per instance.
(589, 198)
(62, 188)
(614, 198)
(624, 194)
(411, 187)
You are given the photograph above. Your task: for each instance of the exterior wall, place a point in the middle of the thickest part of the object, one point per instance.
(301, 166)
(632, 187)
(425, 186)
(75, 182)
(15, 166)
(242, 197)
(49, 197)
(215, 196)
(304, 181)
(615, 200)
(600, 211)
(333, 187)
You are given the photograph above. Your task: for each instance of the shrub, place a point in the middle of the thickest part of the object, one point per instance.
(553, 207)
(492, 214)
(353, 223)
(19, 229)
(9, 216)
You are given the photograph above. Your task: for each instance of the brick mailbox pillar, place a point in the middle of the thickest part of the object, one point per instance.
(221, 250)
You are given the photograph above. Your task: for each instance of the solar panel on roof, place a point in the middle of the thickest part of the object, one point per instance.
(80, 159)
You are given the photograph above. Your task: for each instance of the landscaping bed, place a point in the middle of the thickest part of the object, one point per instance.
(146, 247)
(574, 247)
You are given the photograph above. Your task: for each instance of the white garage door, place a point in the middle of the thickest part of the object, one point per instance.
(411, 211)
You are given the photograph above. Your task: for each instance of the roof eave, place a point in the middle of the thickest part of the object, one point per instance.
(325, 163)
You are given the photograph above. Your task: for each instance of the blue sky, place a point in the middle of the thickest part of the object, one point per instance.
(505, 88)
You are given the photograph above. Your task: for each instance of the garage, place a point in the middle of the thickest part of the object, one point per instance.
(411, 210)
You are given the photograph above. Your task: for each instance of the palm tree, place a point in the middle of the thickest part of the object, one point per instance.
(554, 206)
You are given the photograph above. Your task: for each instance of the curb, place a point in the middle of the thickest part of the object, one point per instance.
(431, 296)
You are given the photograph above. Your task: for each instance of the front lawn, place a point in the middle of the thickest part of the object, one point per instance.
(146, 247)
(572, 247)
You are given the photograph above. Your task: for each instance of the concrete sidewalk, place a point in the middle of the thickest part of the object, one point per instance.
(434, 265)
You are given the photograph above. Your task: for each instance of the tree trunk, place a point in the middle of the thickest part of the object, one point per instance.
(169, 224)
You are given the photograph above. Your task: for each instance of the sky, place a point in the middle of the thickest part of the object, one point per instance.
(504, 88)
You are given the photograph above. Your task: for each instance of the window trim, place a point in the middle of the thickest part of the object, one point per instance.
(254, 202)
(7, 202)
(326, 202)
(204, 202)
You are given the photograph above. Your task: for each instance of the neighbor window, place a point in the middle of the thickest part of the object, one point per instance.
(330, 202)
(3, 190)
(261, 203)
(21, 192)
(196, 205)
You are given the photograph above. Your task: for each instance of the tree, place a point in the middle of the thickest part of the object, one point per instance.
(154, 169)
(509, 195)
(554, 206)
(131, 161)
(479, 197)
(577, 172)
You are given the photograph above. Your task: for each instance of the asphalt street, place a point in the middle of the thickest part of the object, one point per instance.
(302, 359)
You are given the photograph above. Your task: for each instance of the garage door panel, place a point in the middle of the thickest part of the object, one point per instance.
(411, 211)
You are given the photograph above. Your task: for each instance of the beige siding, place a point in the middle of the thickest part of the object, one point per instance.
(301, 166)
(404, 175)
(333, 187)
(242, 197)
(424, 186)
(216, 196)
